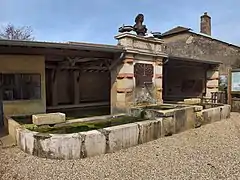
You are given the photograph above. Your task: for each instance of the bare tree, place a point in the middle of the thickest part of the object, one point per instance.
(16, 33)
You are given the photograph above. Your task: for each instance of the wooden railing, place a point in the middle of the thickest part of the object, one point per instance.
(219, 97)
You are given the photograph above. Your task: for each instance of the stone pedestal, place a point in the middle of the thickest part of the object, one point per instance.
(212, 81)
(126, 84)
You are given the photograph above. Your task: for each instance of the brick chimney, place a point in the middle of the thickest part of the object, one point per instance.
(205, 26)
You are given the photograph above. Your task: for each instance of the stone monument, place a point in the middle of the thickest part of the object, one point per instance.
(139, 28)
(130, 85)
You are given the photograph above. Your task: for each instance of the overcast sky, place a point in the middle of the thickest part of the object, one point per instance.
(98, 21)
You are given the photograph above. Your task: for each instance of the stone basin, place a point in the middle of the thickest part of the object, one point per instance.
(155, 122)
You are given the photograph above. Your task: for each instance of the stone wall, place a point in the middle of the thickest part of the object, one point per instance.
(192, 45)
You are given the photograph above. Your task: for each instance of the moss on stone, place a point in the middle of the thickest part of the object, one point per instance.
(31, 127)
(85, 126)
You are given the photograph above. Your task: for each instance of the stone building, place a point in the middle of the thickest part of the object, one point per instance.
(182, 42)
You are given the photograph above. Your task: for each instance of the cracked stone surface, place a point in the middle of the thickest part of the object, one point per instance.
(209, 152)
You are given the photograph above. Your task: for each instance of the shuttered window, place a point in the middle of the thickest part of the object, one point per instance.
(20, 86)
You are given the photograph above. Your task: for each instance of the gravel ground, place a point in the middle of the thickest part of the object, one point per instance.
(210, 152)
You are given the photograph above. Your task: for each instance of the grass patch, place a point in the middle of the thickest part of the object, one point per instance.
(70, 114)
(84, 126)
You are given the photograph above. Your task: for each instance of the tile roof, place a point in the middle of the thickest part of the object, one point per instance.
(180, 29)
(176, 30)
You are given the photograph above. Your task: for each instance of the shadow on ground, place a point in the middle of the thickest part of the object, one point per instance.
(5, 139)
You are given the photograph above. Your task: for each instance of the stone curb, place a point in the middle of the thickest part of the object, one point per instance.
(111, 139)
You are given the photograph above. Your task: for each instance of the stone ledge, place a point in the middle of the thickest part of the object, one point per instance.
(168, 126)
(198, 108)
(211, 115)
(94, 143)
(12, 128)
(134, 36)
(121, 137)
(145, 53)
(50, 118)
(192, 101)
(149, 130)
(225, 111)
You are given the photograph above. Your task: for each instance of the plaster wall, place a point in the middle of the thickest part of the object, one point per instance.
(24, 64)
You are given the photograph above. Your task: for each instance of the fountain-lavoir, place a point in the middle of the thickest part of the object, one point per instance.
(138, 114)
(52, 136)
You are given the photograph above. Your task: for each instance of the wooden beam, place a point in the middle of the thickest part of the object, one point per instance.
(86, 59)
(182, 66)
(95, 68)
(76, 67)
(80, 105)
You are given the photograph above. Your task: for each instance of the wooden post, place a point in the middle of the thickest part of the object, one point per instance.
(229, 88)
(54, 74)
(76, 75)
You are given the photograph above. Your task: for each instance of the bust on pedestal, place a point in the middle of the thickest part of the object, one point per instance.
(130, 85)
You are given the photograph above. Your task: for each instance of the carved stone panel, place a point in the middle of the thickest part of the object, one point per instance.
(143, 45)
(143, 74)
(144, 90)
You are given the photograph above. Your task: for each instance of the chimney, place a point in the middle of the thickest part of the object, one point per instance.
(205, 24)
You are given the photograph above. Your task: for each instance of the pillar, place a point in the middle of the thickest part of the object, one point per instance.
(122, 85)
(158, 77)
(212, 81)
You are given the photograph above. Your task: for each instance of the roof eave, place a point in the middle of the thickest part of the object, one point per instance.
(195, 60)
(210, 37)
(176, 33)
(72, 46)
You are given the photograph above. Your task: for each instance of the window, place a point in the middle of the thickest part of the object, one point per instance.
(21, 86)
